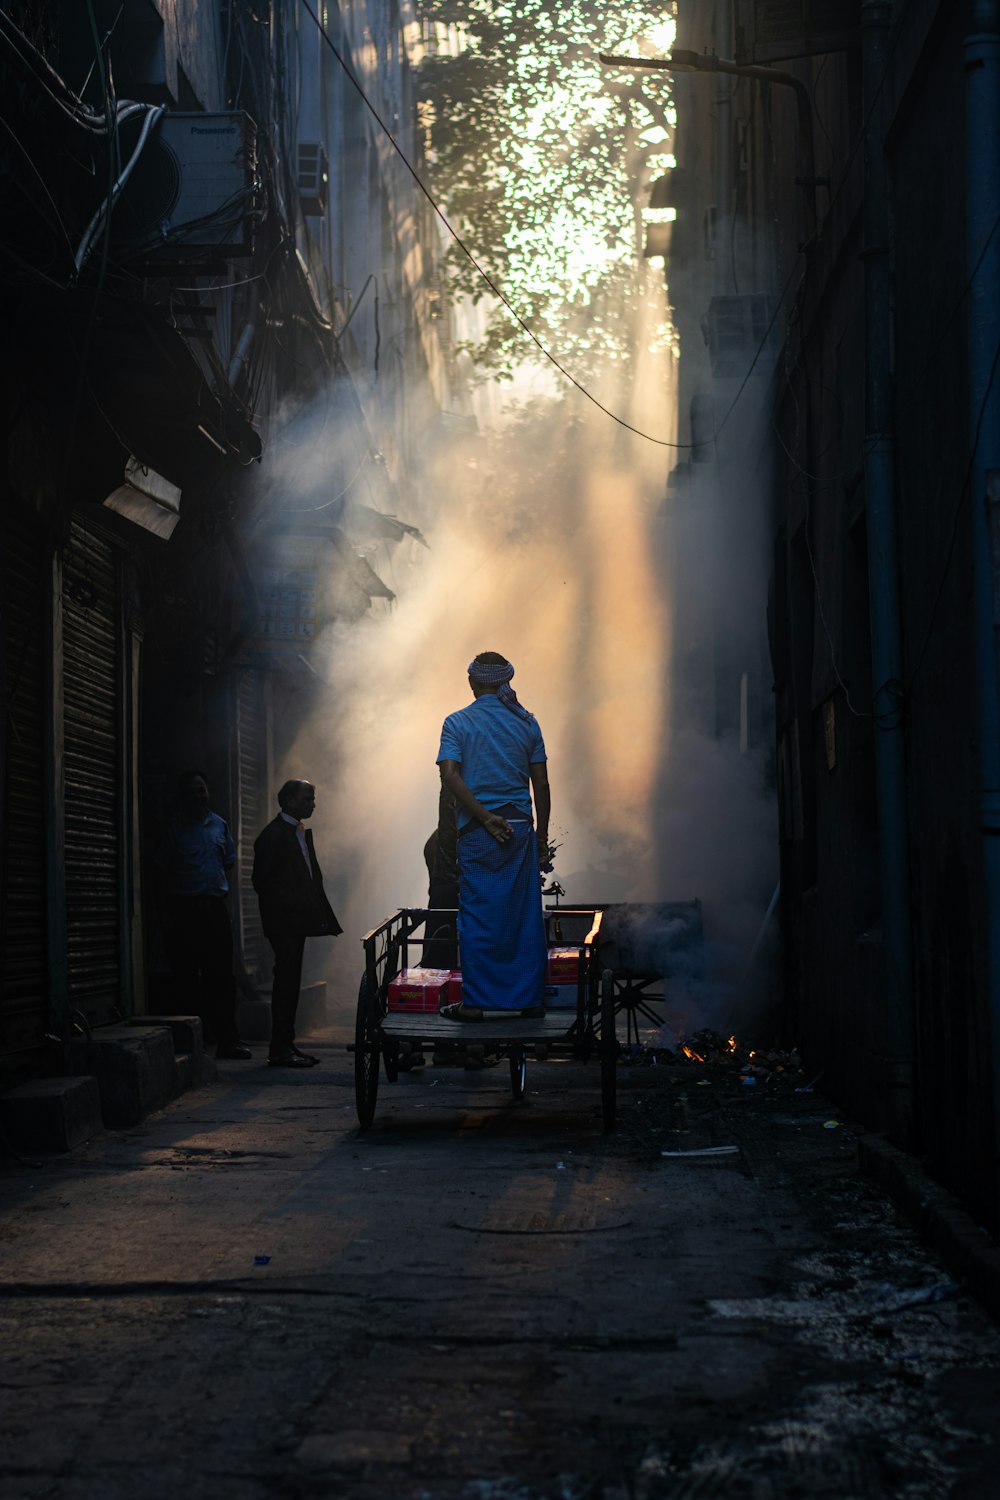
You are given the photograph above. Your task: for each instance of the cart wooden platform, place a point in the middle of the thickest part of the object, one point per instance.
(380, 1034)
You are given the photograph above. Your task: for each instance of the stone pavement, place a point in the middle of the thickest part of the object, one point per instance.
(482, 1300)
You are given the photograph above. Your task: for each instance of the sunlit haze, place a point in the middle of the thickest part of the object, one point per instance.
(550, 541)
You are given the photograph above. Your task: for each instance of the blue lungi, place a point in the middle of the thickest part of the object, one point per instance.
(500, 925)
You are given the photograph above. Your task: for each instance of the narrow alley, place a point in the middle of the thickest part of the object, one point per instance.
(478, 1299)
(499, 583)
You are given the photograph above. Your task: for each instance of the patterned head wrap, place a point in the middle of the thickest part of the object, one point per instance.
(497, 675)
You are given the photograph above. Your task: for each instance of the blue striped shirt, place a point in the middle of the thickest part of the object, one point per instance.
(494, 747)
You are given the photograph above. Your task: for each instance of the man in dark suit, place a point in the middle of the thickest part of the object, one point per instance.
(293, 906)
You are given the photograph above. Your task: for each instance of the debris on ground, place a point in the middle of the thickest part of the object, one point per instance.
(704, 1151)
(708, 1048)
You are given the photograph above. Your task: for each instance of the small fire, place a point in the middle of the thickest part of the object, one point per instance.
(694, 1056)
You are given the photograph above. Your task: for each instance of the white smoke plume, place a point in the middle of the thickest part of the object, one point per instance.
(549, 540)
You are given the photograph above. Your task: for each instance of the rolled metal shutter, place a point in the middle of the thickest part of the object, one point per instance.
(23, 953)
(92, 707)
(251, 738)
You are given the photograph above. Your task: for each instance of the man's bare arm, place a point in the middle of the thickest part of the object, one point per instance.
(451, 779)
(539, 774)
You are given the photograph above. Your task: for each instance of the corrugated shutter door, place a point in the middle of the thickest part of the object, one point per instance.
(23, 955)
(251, 734)
(91, 709)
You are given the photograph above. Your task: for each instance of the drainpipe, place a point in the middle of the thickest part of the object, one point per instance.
(982, 248)
(886, 629)
(240, 353)
(724, 194)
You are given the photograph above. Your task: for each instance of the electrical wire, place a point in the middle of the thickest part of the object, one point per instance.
(107, 208)
(862, 133)
(501, 295)
(48, 79)
(44, 185)
(817, 587)
(959, 508)
(110, 112)
(32, 272)
(311, 510)
(107, 37)
(902, 403)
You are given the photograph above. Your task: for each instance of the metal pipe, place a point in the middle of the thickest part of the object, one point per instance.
(240, 353)
(724, 188)
(982, 248)
(153, 114)
(884, 603)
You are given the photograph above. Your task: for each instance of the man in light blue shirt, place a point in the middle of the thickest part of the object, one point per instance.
(195, 857)
(492, 760)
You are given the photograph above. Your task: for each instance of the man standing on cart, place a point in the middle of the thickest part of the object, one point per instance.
(492, 760)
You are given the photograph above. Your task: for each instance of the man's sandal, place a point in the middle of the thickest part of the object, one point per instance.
(459, 1011)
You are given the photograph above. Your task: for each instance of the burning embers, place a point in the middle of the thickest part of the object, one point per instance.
(712, 1053)
(708, 1048)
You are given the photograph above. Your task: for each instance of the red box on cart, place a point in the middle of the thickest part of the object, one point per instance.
(455, 987)
(564, 965)
(418, 989)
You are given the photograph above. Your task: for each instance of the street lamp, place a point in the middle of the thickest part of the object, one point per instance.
(683, 61)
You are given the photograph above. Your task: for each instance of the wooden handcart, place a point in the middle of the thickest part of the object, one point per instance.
(381, 1035)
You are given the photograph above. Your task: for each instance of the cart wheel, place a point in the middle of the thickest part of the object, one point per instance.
(518, 1073)
(366, 1053)
(608, 1050)
(390, 1060)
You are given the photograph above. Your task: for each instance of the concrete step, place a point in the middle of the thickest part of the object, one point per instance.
(134, 1068)
(120, 1073)
(51, 1114)
(193, 1065)
(186, 1032)
(185, 1076)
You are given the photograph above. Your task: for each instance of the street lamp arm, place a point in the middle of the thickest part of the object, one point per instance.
(683, 61)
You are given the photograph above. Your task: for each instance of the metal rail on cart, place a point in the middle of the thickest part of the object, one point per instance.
(639, 975)
(379, 1032)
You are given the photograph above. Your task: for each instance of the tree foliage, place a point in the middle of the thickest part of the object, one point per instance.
(536, 152)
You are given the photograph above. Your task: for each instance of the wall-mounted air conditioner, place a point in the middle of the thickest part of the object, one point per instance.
(742, 332)
(190, 199)
(313, 177)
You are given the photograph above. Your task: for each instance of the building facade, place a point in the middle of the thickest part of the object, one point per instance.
(224, 353)
(831, 266)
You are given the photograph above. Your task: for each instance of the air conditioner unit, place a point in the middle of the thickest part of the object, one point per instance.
(742, 332)
(313, 177)
(189, 201)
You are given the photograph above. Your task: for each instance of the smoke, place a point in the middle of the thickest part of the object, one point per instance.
(535, 550)
(550, 540)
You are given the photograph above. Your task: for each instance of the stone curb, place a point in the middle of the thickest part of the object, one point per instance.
(965, 1248)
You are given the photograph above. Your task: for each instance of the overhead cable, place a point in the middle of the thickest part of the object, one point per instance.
(40, 70)
(104, 212)
(500, 294)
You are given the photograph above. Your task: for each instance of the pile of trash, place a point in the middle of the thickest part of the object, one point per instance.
(709, 1049)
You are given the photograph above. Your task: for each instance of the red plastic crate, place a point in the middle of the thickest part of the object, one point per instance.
(419, 990)
(564, 965)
